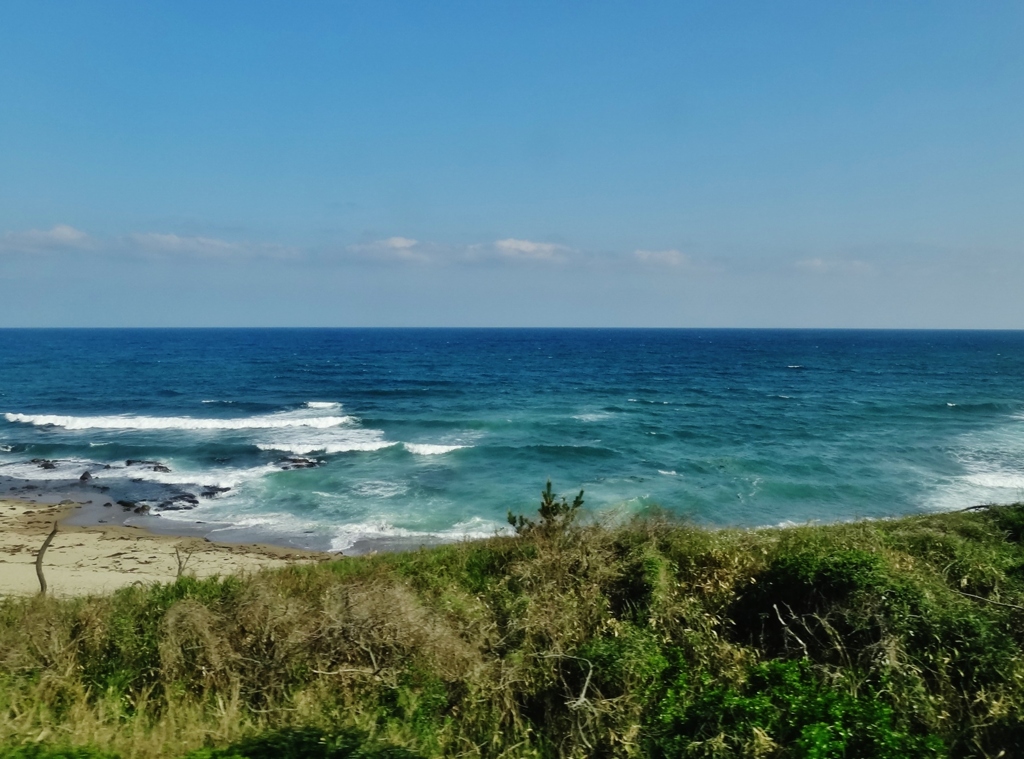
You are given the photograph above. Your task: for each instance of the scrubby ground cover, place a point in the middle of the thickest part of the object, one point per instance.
(897, 638)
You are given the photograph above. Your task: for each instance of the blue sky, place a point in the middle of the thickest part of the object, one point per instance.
(512, 164)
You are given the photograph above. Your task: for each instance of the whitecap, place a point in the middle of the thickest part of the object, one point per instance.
(128, 423)
(379, 489)
(592, 417)
(670, 472)
(342, 439)
(429, 449)
(348, 535)
(306, 448)
(323, 405)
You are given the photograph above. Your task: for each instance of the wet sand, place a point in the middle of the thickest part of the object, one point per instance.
(93, 559)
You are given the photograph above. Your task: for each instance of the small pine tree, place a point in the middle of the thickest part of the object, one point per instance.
(555, 515)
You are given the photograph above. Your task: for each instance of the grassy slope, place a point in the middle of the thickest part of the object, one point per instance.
(892, 639)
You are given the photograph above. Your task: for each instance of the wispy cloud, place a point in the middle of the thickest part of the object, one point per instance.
(58, 237)
(393, 249)
(207, 247)
(662, 257)
(399, 243)
(530, 250)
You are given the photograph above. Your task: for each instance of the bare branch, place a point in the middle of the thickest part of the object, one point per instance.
(39, 559)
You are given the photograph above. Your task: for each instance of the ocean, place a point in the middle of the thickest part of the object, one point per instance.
(357, 439)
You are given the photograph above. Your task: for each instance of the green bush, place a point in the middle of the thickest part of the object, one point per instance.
(782, 704)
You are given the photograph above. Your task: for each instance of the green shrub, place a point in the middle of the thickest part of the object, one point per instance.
(782, 704)
(120, 654)
(555, 515)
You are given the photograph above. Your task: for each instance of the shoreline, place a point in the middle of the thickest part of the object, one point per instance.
(129, 502)
(95, 559)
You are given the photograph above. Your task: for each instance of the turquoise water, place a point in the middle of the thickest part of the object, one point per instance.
(331, 438)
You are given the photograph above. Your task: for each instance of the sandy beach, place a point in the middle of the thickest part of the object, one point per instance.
(92, 560)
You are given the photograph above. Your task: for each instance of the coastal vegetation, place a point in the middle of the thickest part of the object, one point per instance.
(654, 637)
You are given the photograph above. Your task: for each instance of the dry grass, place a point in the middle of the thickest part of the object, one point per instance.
(890, 639)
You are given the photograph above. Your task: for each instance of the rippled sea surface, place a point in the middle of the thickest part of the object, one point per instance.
(329, 437)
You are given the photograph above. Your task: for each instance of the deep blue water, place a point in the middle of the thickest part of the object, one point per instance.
(442, 431)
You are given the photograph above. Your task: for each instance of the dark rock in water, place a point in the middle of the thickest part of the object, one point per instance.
(107, 505)
(106, 466)
(156, 465)
(179, 503)
(142, 508)
(299, 462)
(103, 488)
(127, 505)
(44, 463)
(85, 476)
(212, 490)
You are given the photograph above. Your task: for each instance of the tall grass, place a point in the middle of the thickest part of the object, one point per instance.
(893, 638)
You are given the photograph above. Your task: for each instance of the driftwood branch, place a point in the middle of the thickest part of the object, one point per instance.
(39, 559)
(182, 557)
(789, 630)
(575, 703)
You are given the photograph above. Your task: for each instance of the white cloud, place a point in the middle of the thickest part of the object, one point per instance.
(392, 249)
(662, 257)
(527, 249)
(398, 243)
(211, 247)
(60, 236)
(171, 243)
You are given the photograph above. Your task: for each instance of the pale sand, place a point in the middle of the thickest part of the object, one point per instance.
(95, 560)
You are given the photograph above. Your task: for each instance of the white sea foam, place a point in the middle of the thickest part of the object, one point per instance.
(991, 471)
(63, 469)
(380, 489)
(348, 535)
(997, 479)
(270, 421)
(71, 469)
(596, 416)
(6, 448)
(341, 439)
(323, 405)
(669, 473)
(221, 477)
(428, 449)
(313, 446)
